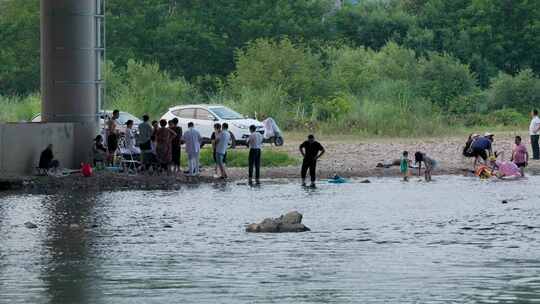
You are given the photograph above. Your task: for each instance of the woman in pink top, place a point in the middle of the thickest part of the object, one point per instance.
(520, 156)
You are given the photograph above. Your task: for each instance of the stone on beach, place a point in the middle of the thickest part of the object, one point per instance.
(290, 222)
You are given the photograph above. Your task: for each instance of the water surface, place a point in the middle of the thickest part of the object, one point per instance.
(451, 241)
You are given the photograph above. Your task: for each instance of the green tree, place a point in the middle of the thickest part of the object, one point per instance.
(520, 92)
(265, 63)
(19, 47)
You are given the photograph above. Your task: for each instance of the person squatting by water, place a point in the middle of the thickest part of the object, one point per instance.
(429, 163)
(482, 147)
(47, 161)
(192, 140)
(311, 150)
(404, 164)
(255, 142)
(99, 151)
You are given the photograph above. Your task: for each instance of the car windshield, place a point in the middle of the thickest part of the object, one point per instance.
(226, 113)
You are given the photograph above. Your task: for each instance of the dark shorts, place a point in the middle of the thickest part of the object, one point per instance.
(112, 143)
(480, 153)
(147, 146)
(521, 165)
(176, 155)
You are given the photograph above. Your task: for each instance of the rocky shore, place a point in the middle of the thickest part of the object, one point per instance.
(346, 157)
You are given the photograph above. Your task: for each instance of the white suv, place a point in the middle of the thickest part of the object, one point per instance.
(205, 116)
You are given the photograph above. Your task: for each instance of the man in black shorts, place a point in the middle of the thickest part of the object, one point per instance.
(311, 151)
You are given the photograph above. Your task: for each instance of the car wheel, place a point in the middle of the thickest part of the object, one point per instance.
(278, 141)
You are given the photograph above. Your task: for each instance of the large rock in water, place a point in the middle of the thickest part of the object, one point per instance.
(290, 222)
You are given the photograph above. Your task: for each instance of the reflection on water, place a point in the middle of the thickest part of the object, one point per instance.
(445, 242)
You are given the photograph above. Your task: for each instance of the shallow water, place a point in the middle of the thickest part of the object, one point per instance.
(451, 241)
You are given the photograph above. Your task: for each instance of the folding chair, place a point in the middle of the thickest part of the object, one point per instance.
(128, 159)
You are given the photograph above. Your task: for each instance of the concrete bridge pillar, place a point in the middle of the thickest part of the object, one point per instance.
(71, 53)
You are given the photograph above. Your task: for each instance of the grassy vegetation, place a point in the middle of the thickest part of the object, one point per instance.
(239, 158)
(338, 89)
(16, 109)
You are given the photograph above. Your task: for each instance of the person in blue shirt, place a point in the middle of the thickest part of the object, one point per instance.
(482, 147)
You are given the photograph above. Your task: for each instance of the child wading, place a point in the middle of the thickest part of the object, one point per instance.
(520, 156)
(429, 162)
(310, 151)
(404, 165)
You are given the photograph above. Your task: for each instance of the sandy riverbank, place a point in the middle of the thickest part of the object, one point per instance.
(348, 157)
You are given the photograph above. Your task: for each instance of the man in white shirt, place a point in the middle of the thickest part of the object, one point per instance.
(192, 139)
(534, 131)
(255, 142)
(222, 144)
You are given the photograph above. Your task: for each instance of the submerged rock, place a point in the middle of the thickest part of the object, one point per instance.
(290, 222)
(30, 225)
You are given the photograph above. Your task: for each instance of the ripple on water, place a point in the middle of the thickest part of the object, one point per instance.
(386, 241)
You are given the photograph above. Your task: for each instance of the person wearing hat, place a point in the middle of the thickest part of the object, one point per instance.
(534, 131)
(482, 147)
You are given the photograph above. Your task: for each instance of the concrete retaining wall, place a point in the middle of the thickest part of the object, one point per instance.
(22, 143)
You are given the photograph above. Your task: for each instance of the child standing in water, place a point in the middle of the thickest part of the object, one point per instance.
(429, 162)
(520, 156)
(404, 165)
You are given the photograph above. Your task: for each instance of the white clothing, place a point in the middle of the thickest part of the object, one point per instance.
(193, 164)
(192, 139)
(223, 142)
(535, 126)
(130, 147)
(271, 128)
(255, 140)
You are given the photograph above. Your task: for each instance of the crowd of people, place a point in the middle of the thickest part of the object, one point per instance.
(156, 148)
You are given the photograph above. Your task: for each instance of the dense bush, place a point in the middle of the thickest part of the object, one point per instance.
(442, 79)
(268, 63)
(519, 92)
(506, 117)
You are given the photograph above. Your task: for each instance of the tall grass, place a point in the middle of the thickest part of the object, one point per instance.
(17, 109)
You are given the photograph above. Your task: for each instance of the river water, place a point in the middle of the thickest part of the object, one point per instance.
(450, 241)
